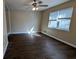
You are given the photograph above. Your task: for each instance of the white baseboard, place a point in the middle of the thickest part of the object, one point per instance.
(60, 40)
(4, 51)
(17, 33)
(45, 34)
(20, 32)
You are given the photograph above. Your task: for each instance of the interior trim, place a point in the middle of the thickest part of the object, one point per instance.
(47, 35)
(5, 49)
(60, 40)
(21, 32)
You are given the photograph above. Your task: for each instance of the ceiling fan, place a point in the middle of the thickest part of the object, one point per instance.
(36, 4)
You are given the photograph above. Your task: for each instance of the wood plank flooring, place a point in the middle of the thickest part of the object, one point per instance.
(26, 46)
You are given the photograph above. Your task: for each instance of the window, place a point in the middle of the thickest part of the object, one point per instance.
(60, 19)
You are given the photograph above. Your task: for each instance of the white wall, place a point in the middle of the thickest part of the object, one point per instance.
(5, 40)
(67, 37)
(23, 21)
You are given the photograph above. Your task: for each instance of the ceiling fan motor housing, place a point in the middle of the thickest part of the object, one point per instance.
(34, 4)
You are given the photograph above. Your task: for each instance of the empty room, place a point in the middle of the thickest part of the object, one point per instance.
(39, 29)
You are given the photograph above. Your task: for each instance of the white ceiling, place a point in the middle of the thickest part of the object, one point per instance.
(20, 4)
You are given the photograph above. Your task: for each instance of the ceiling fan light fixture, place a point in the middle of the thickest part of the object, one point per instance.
(35, 8)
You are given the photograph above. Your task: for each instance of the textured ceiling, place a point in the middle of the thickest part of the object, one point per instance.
(20, 4)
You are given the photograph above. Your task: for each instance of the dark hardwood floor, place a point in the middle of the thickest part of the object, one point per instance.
(25, 46)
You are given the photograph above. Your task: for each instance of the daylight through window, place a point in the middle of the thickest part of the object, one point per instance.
(60, 19)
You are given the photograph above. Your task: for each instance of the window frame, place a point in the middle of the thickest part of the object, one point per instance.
(69, 18)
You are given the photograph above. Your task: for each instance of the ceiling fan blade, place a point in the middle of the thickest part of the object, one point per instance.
(40, 2)
(43, 5)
